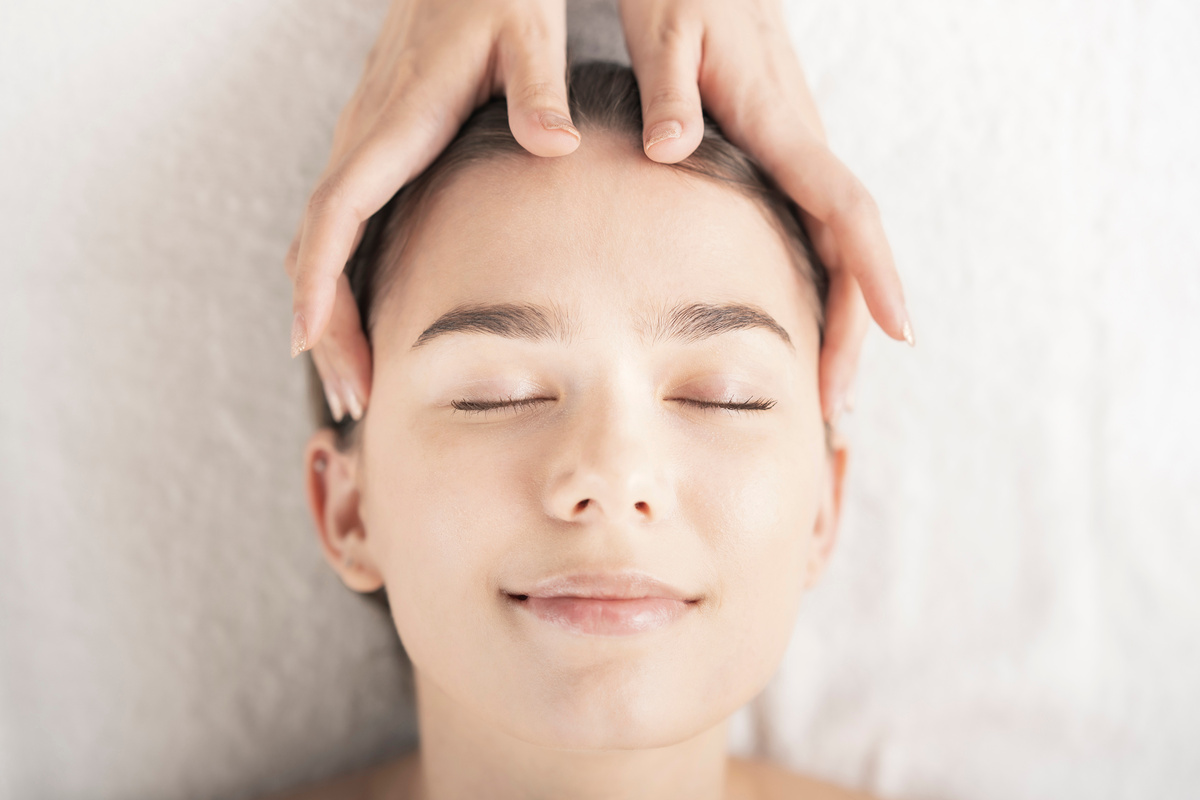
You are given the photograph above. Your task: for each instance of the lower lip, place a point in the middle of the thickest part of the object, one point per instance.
(606, 617)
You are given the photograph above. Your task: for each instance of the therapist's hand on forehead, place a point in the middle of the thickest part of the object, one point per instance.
(437, 60)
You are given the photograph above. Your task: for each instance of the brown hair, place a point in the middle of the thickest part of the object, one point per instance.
(603, 96)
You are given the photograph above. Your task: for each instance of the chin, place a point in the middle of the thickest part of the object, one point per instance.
(625, 715)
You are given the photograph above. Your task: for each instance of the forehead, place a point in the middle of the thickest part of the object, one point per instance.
(604, 232)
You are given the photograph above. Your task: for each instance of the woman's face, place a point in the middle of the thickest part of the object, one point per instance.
(612, 270)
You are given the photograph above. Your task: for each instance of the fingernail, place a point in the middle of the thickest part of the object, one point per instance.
(908, 334)
(557, 122)
(335, 405)
(299, 334)
(352, 401)
(319, 464)
(664, 130)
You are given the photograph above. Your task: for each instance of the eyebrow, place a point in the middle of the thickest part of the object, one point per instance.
(686, 322)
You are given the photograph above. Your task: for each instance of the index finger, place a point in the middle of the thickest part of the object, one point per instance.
(400, 146)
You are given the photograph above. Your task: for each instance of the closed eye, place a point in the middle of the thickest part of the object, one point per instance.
(753, 404)
(483, 406)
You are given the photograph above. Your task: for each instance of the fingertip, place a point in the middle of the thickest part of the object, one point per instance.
(661, 132)
(353, 401)
(553, 121)
(314, 306)
(832, 410)
(299, 334)
(355, 380)
(334, 402)
(896, 325)
(329, 380)
(547, 134)
(554, 135)
(671, 141)
(838, 362)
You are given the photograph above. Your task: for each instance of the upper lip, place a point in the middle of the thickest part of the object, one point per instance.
(626, 585)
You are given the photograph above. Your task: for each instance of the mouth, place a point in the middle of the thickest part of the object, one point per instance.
(598, 616)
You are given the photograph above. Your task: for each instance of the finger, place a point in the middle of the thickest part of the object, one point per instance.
(346, 349)
(401, 146)
(330, 383)
(820, 183)
(343, 356)
(846, 322)
(825, 188)
(667, 65)
(293, 252)
(533, 62)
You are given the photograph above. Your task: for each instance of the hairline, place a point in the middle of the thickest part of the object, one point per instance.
(401, 230)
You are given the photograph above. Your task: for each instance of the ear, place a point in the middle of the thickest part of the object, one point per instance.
(331, 477)
(830, 511)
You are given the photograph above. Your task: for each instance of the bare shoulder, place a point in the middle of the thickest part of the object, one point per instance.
(391, 779)
(754, 779)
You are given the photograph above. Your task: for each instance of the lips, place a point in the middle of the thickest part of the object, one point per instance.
(605, 604)
(627, 585)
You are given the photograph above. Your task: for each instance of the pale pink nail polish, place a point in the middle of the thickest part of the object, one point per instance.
(556, 122)
(299, 334)
(335, 405)
(663, 131)
(352, 401)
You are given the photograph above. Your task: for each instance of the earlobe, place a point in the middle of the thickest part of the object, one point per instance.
(333, 499)
(829, 515)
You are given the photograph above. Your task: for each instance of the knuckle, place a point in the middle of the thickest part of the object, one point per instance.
(855, 204)
(537, 94)
(669, 95)
(414, 109)
(671, 32)
(533, 33)
(329, 195)
(407, 71)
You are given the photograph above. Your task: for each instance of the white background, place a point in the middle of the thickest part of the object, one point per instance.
(1013, 611)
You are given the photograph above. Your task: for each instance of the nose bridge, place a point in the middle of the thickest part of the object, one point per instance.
(612, 465)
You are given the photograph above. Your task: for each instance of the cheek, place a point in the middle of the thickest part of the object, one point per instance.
(758, 514)
(429, 510)
(757, 507)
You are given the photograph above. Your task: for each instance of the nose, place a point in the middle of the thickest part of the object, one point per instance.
(610, 467)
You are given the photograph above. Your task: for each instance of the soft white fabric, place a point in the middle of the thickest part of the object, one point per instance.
(1013, 609)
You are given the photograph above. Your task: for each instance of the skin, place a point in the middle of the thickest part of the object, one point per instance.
(615, 467)
(437, 60)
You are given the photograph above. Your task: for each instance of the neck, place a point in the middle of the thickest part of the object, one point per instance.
(462, 756)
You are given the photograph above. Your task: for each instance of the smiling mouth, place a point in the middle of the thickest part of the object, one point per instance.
(604, 616)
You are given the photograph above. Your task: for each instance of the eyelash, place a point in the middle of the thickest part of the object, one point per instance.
(482, 407)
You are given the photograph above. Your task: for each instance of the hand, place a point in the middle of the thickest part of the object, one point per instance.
(435, 61)
(738, 57)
